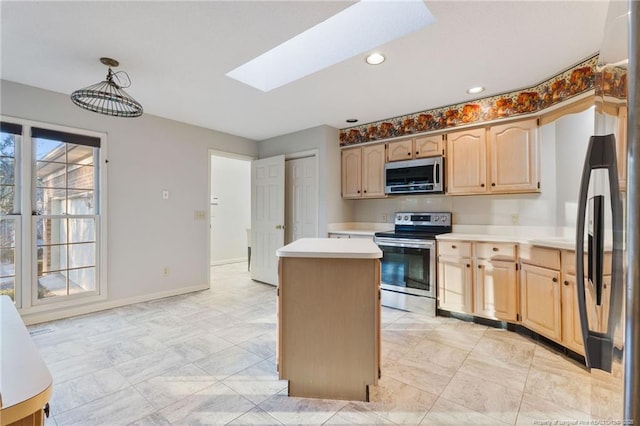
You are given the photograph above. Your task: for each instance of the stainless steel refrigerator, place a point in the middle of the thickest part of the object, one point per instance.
(608, 226)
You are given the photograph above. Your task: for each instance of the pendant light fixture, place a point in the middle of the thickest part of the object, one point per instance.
(107, 97)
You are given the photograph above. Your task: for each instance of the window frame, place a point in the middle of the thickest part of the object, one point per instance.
(26, 295)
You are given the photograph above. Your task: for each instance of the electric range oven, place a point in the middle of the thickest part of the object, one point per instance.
(409, 260)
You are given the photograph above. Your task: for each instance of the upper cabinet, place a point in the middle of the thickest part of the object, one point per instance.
(363, 172)
(466, 164)
(501, 159)
(420, 147)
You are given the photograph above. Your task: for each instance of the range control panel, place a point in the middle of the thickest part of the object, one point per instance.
(423, 219)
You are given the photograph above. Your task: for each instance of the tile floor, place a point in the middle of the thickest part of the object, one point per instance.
(208, 358)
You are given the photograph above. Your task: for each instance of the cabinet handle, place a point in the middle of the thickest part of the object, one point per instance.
(493, 184)
(409, 154)
(482, 185)
(566, 283)
(358, 191)
(495, 249)
(453, 246)
(468, 266)
(365, 191)
(555, 280)
(479, 266)
(417, 153)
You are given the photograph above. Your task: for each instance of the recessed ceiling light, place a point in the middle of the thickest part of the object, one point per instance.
(475, 90)
(375, 59)
(357, 29)
(352, 120)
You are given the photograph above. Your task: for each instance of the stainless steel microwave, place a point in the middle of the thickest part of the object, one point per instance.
(424, 175)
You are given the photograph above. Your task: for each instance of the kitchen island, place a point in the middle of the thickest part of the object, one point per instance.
(329, 317)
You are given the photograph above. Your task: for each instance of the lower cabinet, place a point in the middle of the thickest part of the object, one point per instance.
(454, 284)
(495, 290)
(541, 303)
(482, 280)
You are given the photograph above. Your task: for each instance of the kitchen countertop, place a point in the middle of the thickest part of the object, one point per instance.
(331, 248)
(558, 238)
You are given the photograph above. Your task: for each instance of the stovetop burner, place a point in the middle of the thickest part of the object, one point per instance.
(419, 225)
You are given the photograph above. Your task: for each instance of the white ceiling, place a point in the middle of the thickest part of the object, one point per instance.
(177, 54)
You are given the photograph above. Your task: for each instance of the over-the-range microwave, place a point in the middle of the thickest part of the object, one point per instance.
(424, 175)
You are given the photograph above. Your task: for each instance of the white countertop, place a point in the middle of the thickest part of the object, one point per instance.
(331, 248)
(559, 238)
(25, 383)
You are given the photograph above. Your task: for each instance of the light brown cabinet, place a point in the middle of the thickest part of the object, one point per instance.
(478, 279)
(420, 147)
(455, 278)
(495, 290)
(541, 300)
(466, 162)
(363, 172)
(502, 159)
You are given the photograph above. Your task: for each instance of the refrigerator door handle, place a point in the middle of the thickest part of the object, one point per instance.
(598, 344)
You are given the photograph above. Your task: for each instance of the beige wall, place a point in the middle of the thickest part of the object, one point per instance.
(146, 155)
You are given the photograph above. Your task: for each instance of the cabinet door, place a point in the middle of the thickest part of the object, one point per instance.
(400, 150)
(454, 284)
(428, 146)
(351, 173)
(466, 162)
(513, 149)
(495, 290)
(571, 329)
(373, 171)
(540, 296)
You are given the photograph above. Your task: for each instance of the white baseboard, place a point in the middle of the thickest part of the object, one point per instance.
(36, 318)
(227, 261)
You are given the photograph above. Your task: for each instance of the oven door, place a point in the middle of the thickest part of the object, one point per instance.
(408, 266)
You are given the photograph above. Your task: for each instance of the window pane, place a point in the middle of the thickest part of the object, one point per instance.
(82, 255)
(8, 287)
(50, 175)
(82, 230)
(51, 231)
(50, 201)
(80, 177)
(7, 171)
(81, 280)
(52, 258)
(7, 199)
(80, 154)
(7, 233)
(7, 262)
(7, 144)
(80, 202)
(51, 285)
(49, 150)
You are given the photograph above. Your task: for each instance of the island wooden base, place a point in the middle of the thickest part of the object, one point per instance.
(329, 326)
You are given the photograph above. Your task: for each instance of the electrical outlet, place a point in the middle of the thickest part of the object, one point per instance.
(514, 218)
(165, 271)
(384, 217)
(165, 194)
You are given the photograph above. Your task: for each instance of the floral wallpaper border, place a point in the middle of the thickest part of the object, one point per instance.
(576, 80)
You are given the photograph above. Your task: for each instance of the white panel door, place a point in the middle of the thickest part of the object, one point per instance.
(267, 217)
(301, 199)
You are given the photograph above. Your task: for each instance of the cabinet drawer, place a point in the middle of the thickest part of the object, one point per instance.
(495, 251)
(454, 248)
(569, 263)
(547, 258)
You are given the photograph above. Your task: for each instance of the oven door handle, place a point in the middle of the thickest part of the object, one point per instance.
(392, 242)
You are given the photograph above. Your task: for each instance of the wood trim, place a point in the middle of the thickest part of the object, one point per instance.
(571, 108)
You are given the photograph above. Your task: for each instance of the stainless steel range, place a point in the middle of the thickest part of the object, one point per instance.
(409, 260)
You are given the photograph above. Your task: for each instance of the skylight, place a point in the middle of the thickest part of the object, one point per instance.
(355, 30)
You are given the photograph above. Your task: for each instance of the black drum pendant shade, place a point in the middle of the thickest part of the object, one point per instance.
(107, 97)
